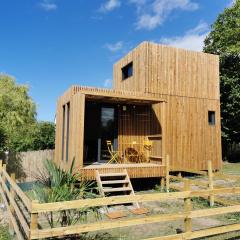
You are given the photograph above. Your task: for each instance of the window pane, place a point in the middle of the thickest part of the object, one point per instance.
(63, 131)
(67, 134)
(211, 117)
(127, 71)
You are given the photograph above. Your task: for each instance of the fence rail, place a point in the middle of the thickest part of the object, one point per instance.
(25, 221)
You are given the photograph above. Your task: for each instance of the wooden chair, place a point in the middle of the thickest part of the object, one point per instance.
(147, 147)
(115, 156)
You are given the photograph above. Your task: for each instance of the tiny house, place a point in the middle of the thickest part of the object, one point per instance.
(166, 96)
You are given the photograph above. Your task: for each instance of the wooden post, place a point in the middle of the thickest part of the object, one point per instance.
(4, 167)
(210, 182)
(162, 184)
(167, 173)
(1, 167)
(12, 194)
(33, 221)
(187, 207)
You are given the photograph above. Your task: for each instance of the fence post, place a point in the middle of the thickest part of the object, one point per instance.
(210, 182)
(162, 184)
(12, 195)
(4, 167)
(187, 207)
(167, 173)
(33, 221)
(1, 167)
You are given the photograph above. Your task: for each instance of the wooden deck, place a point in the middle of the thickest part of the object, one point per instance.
(138, 170)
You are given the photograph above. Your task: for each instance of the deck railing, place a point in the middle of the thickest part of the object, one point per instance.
(24, 214)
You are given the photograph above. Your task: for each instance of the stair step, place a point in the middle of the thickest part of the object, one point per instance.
(117, 189)
(114, 182)
(112, 174)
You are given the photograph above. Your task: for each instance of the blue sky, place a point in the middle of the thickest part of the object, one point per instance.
(53, 44)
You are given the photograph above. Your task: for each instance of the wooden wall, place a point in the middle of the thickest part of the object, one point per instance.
(76, 130)
(136, 83)
(171, 71)
(33, 163)
(189, 82)
(135, 124)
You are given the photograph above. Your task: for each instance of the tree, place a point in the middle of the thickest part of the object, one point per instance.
(19, 129)
(224, 39)
(17, 110)
(225, 33)
(44, 136)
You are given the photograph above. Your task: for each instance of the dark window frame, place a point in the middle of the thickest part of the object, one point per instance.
(67, 131)
(212, 118)
(63, 130)
(127, 71)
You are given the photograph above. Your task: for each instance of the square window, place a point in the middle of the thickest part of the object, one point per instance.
(127, 71)
(211, 117)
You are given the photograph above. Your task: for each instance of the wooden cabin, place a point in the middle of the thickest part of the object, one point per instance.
(166, 96)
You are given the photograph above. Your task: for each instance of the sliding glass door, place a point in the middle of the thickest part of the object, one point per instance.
(108, 131)
(100, 126)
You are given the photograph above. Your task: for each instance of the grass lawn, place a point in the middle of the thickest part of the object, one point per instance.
(166, 228)
(231, 168)
(4, 234)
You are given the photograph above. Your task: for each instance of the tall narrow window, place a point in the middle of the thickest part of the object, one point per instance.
(211, 118)
(63, 131)
(67, 134)
(127, 71)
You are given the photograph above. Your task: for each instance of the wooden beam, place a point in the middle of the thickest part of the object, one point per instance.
(85, 203)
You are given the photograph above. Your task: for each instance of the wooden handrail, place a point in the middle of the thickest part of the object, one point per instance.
(18, 191)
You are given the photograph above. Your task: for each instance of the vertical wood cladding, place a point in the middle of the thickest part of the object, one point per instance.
(189, 81)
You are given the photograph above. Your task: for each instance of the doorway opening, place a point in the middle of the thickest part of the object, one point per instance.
(100, 125)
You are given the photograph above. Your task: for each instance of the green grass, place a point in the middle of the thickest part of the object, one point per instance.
(231, 168)
(4, 234)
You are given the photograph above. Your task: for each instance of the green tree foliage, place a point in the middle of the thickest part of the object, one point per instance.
(17, 110)
(44, 136)
(3, 140)
(37, 136)
(224, 39)
(225, 33)
(19, 129)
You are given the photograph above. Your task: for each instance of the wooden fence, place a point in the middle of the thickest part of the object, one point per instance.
(25, 221)
(33, 162)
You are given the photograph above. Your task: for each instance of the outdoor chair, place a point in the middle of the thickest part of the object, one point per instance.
(147, 147)
(114, 155)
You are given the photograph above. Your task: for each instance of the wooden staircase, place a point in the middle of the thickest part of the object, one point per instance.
(115, 184)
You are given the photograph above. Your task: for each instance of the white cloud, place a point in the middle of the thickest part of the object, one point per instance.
(192, 39)
(107, 83)
(114, 47)
(48, 5)
(153, 13)
(110, 5)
